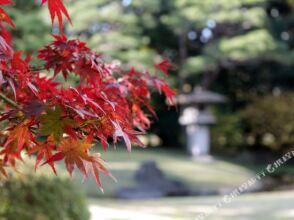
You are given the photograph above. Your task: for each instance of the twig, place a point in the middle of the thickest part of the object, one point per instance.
(8, 100)
(36, 68)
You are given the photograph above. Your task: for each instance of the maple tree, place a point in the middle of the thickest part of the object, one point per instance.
(55, 122)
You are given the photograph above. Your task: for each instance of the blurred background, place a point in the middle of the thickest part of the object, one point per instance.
(237, 54)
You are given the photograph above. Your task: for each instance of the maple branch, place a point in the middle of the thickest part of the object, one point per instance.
(8, 100)
(36, 68)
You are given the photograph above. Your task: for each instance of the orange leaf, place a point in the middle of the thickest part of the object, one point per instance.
(17, 139)
(74, 152)
(19, 136)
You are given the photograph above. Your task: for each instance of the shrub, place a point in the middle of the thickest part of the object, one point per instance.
(269, 122)
(41, 198)
(227, 134)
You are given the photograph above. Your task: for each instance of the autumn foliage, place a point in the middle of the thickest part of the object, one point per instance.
(55, 122)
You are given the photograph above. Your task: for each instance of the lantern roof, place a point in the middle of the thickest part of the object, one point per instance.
(200, 96)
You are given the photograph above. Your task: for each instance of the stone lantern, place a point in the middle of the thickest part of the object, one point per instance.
(196, 119)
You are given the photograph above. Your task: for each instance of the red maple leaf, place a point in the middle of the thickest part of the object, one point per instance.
(97, 165)
(6, 2)
(4, 17)
(57, 8)
(164, 66)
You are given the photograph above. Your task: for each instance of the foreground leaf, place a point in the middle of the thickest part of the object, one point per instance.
(53, 124)
(56, 8)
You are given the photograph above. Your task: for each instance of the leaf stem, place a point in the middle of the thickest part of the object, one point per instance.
(37, 68)
(8, 100)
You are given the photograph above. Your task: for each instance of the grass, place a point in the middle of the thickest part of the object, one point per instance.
(198, 175)
(220, 174)
(216, 175)
(259, 206)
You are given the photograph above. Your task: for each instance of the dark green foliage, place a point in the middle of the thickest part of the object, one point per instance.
(227, 134)
(41, 198)
(269, 122)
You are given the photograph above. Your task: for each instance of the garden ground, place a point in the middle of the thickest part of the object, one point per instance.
(258, 206)
(220, 174)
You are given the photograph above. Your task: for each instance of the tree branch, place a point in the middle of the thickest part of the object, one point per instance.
(37, 68)
(8, 100)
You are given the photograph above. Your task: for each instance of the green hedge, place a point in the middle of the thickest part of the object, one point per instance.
(41, 198)
(227, 135)
(269, 122)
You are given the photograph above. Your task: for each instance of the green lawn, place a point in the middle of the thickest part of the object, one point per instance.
(259, 206)
(220, 174)
(198, 175)
(215, 175)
